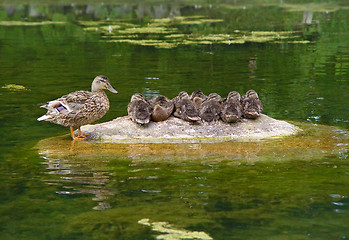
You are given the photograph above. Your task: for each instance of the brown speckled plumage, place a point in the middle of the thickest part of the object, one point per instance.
(210, 109)
(81, 107)
(185, 108)
(251, 105)
(139, 109)
(231, 108)
(162, 108)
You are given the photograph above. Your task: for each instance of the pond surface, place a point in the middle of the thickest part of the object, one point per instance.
(295, 55)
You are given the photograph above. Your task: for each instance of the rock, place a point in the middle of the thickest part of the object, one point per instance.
(123, 130)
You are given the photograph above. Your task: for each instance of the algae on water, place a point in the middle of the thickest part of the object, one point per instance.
(23, 23)
(169, 33)
(14, 87)
(170, 232)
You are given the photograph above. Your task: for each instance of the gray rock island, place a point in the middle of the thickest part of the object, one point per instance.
(122, 129)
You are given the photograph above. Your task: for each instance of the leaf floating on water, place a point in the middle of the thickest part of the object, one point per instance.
(173, 233)
(15, 87)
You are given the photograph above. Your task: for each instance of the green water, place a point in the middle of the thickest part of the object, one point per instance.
(89, 196)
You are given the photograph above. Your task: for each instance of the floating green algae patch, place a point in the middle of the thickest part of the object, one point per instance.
(14, 87)
(22, 23)
(172, 233)
(169, 33)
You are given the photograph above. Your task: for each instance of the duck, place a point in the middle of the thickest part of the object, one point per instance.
(231, 108)
(251, 105)
(162, 108)
(198, 97)
(185, 108)
(139, 109)
(79, 108)
(210, 109)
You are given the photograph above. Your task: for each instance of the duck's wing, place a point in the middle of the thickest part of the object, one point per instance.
(78, 96)
(79, 99)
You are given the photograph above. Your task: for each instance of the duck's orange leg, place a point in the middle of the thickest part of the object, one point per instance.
(72, 133)
(80, 135)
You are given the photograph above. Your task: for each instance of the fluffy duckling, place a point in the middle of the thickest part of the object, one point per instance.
(210, 109)
(162, 108)
(139, 109)
(79, 108)
(231, 108)
(251, 105)
(185, 108)
(198, 97)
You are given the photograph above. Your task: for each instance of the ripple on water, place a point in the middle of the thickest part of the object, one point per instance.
(340, 202)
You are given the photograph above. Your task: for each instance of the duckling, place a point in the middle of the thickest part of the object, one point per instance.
(210, 109)
(231, 108)
(79, 108)
(139, 109)
(198, 97)
(162, 108)
(185, 108)
(251, 105)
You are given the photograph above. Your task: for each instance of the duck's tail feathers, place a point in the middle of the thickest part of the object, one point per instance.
(43, 118)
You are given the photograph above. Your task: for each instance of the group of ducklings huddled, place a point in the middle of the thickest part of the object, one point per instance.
(195, 108)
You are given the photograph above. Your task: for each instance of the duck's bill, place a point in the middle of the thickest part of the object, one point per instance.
(110, 88)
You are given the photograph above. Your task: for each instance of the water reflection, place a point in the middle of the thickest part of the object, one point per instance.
(79, 177)
(96, 11)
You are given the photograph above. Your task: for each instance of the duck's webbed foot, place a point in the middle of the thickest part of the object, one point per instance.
(80, 136)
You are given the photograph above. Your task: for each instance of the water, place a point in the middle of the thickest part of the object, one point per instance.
(89, 193)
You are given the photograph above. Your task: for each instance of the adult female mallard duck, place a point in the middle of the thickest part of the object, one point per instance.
(79, 108)
(231, 109)
(185, 108)
(162, 108)
(251, 105)
(139, 109)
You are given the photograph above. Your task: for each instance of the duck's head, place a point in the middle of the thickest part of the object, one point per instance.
(197, 93)
(234, 95)
(183, 94)
(160, 98)
(215, 96)
(137, 97)
(102, 82)
(251, 94)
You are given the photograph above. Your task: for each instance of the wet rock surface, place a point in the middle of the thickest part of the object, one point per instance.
(122, 129)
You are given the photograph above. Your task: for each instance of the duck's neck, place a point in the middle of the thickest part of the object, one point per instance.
(95, 88)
